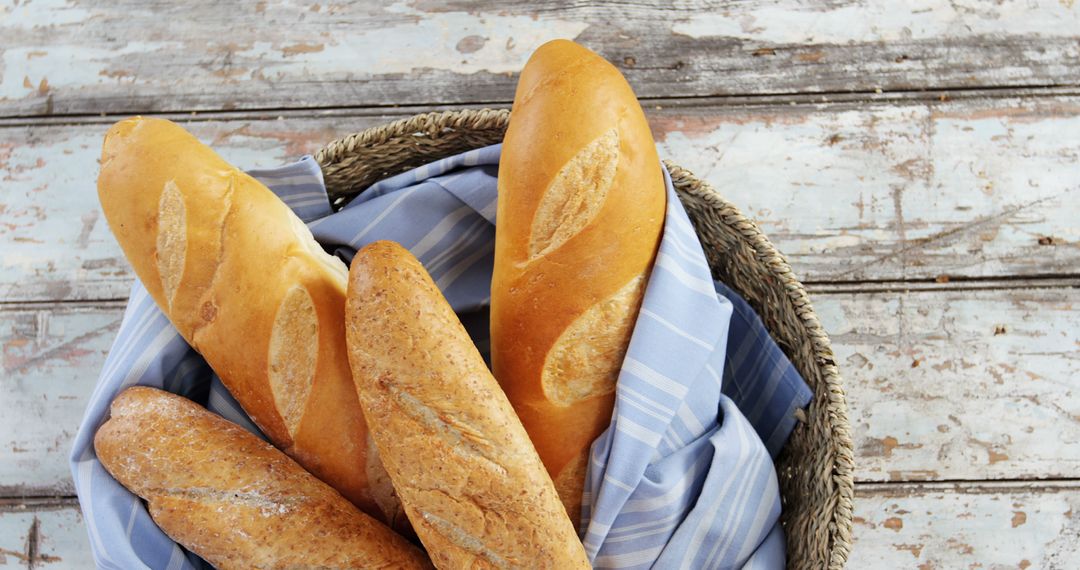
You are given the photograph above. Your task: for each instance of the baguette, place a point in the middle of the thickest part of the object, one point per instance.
(246, 285)
(580, 210)
(469, 479)
(233, 499)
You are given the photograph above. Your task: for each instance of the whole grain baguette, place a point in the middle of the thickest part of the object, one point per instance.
(232, 498)
(246, 284)
(469, 479)
(581, 209)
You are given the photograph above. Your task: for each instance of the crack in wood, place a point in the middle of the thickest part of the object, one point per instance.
(24, 364)
(392, 111)
(31, 554)
(921, 243)
(32, 537)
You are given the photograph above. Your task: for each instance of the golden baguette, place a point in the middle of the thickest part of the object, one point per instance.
(581, 209)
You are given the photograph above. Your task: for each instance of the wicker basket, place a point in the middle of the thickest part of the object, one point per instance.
(815, 468)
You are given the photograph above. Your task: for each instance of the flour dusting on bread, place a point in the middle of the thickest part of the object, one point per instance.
(575, 195)
(586, 359)
(294, 352)
(171, 239)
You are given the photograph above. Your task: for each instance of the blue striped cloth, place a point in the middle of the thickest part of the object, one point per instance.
(684, 476)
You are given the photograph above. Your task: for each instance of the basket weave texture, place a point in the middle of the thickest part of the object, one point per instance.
(815, 469)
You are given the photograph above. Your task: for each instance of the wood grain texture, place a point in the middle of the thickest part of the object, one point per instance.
(992, 526)
(960, 385)
(913, 191)
(122, 57)
(926, 526)
(898, 192)
(942, 385)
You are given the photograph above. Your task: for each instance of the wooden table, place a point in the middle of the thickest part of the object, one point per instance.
(918, 167)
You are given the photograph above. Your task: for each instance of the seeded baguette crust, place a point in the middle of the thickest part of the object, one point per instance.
(245, 283)
(581, 210)
(232, 498)
(468, 476)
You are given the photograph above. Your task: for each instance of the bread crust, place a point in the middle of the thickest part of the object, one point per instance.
(569, 104)
(471, 482)
(232, 498)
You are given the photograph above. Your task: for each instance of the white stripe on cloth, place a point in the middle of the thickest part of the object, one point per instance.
(84, 477)
(675, 329)
(131, 519)
(640, 530)
(638, 432)
(451, 275)
(691, 282)
(656, 408)
(680, 478)
(473, 234)
(309, 192)
(628, 559)
(360, 236)
(697, 538)
(440, 231)
(653, 378)
(178, 559)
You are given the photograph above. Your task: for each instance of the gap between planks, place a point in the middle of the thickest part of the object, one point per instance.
(852, 98)
(17, 503)
(1006, 283)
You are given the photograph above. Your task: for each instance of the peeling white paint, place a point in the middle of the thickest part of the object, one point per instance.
(63, 66)
(878, 192)
(863, 22)
(956, 189)
(958, 398)
(50, 364)
(971, 526)
(505, 43)
(44, 13)
(325, 55)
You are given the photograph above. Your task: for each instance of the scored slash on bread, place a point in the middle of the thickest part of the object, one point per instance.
(245, 283)
(232, 498)
(468, 476)
(581, 209)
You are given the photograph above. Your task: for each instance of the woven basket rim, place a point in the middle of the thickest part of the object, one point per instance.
(418, 130)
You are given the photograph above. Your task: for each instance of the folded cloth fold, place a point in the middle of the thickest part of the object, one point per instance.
(683, 477)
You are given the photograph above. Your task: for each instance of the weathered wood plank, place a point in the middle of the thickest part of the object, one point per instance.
(967, 526)
(942, 385)
(960, 385)
(971, 189)
(43, 535)
(896, 526)
(51, 360)
(975, 188)
(122, 57)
